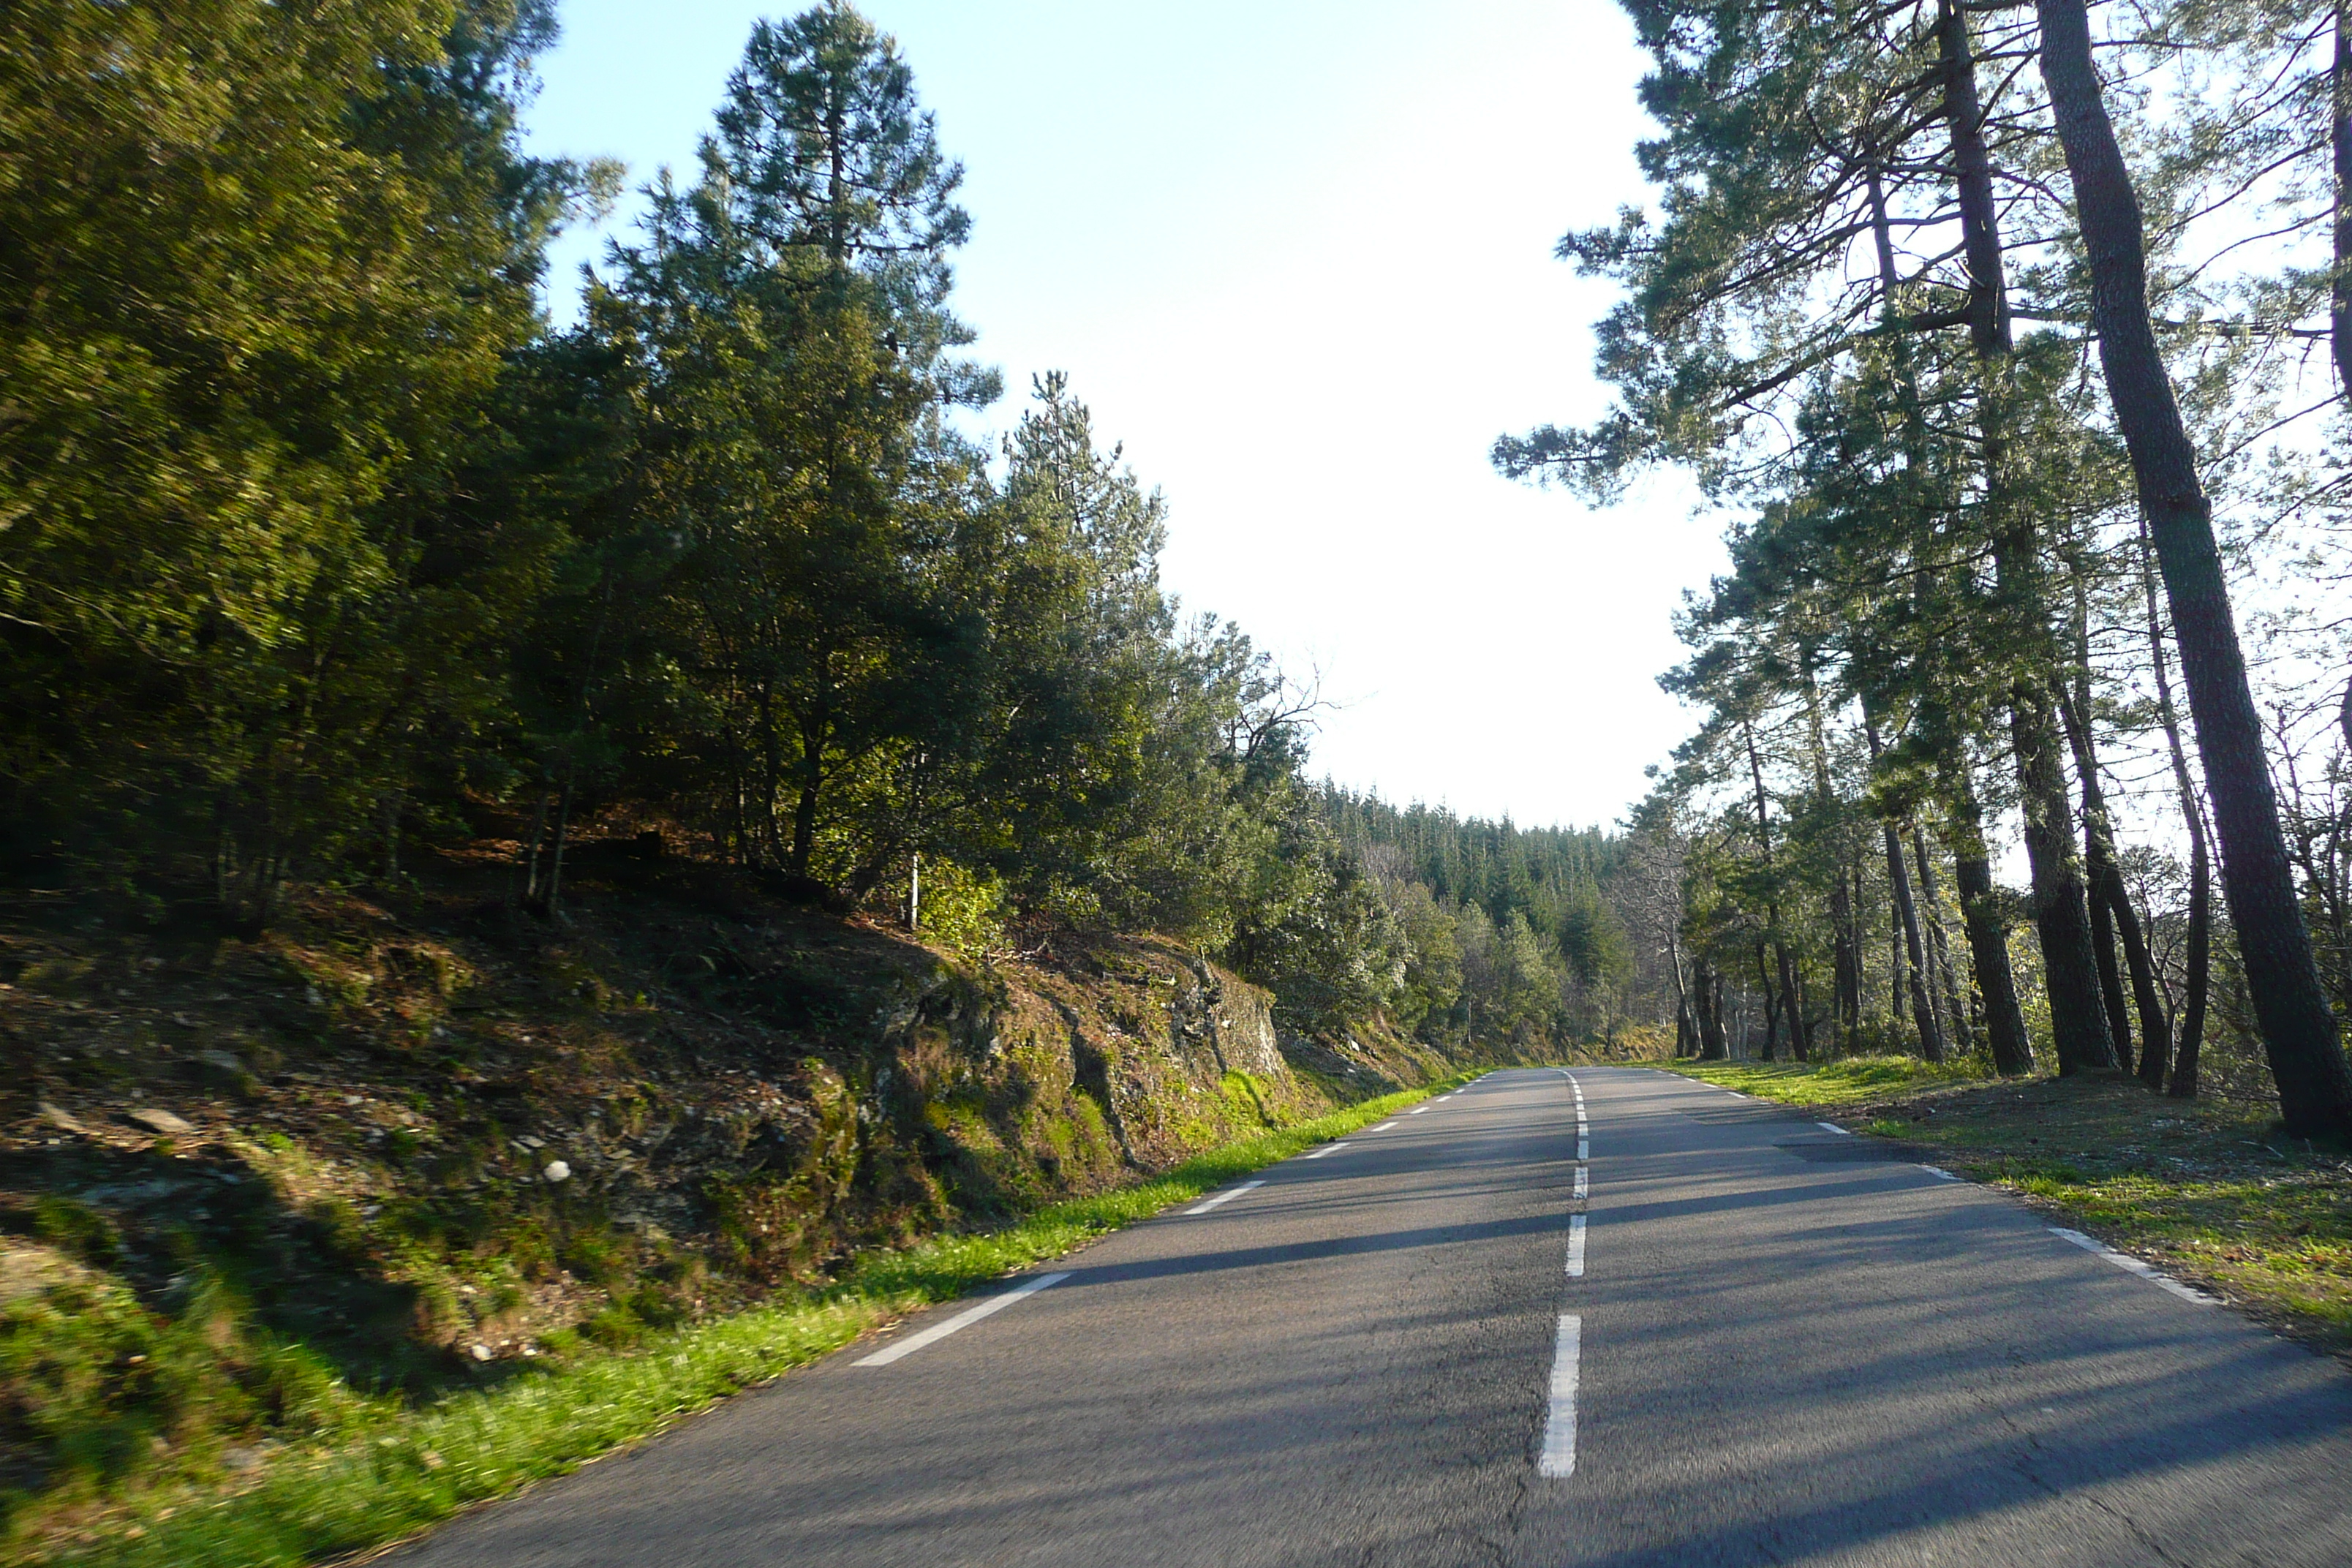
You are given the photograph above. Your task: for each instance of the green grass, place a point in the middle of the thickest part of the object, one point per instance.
(2280, 1243)
(1848, 1081)
(408, 1471)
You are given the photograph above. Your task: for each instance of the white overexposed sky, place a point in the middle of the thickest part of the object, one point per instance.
(1296, 255)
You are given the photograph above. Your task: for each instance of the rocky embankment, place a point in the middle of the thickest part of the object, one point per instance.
(397, 1147)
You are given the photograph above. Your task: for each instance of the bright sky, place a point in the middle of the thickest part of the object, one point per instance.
(1297, 254)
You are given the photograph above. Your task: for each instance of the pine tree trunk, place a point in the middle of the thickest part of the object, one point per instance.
(1907, 912)
(1713, 1046)
(1846, 978)
(2099, 871)
(1793, 991)
(1907, 920)
(2012, 1049)
(1940, 943)
(1797, 1041)
(2306, 1055)
(2113, 917)
(2339, 294)
(2078, 1021)
(2060, 914)
(2197, 980)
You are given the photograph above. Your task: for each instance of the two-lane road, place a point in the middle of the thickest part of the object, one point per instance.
(1764, 1344)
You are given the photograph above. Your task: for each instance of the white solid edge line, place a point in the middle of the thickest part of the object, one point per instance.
(1416, 1111)
(1382, 1127)
(1833, 1127)
(1939, 1171)
(1224, 1197)
(1327, 1148)
(1583, 1181)
(1576, 1246)
(2131, 1265)
(1557, 1460)
(963, 1320)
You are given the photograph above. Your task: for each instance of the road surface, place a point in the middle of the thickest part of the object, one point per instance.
(1754, 1341)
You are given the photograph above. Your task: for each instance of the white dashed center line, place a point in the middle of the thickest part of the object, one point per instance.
(1557, 1460)
(963, 1320)
(1224, 1197)
(1583, 1183)
(1576, 1245)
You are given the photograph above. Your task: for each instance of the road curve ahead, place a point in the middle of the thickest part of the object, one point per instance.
(1756, 1341)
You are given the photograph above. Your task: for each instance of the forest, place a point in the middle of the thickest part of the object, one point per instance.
(2012, 340)
(320, 546)
(528, 838)
(322, 543)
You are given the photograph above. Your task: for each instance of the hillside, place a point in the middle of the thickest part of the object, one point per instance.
(397, 1147)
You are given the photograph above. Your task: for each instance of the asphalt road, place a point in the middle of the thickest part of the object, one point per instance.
(1782, 1347)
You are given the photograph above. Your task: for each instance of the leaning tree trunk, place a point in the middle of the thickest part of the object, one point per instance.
(2339, 294)
(1907, 914)
(2012, 1049)
(1685, 1027)
(2062, 919)
(2306, 1055)
(2099, 869)
(2111, 906)
(2061, 910)
(2197, 981)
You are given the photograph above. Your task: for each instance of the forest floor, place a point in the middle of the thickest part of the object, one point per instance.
(330, 1230)
(2208, 1190)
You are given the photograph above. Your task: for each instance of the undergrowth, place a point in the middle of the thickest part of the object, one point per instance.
(379, 1474)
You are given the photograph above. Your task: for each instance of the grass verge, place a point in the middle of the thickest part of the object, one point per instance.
(1850, 1081)
(2207, 1190)
(414, 1470)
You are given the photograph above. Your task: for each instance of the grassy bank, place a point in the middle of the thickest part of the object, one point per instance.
(2207, 1190)
(396, 1476)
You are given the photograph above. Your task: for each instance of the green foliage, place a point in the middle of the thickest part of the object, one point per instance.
(265, 273)
(99, 1385)
(311, 537)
